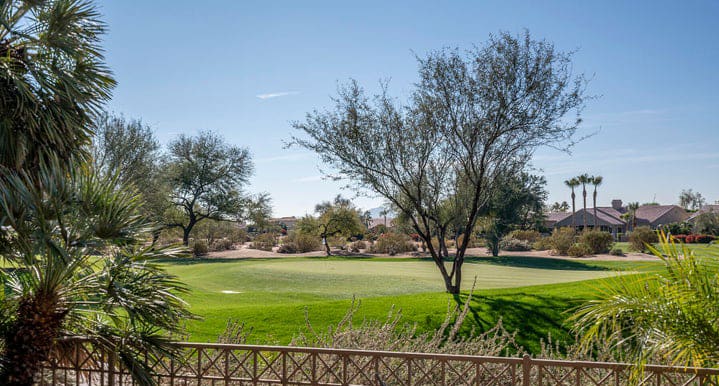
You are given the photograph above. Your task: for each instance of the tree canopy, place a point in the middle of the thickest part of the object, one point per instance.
(471, 117)
(206, 176)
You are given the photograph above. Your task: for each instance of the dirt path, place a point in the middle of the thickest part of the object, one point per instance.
(244, 252)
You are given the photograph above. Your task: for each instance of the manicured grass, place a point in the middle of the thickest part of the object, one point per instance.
(708, 250)
(271, 296)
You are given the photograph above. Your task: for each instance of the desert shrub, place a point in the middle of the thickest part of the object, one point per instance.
(561, 240)
(287, 247)
(597, 241)
(474, 242)
(616, 252)
(542, 244)
(394, 334)
(356, 246)
(393, 243)
(511, 244)
(264, 242)
(530, 236)
(200, 248)
(373, 233)
(222, 245)
(579, 250)
(640, 237)
(301, 242)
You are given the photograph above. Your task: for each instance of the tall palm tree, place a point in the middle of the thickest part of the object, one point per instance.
(572, 183)
(668, 315)
(80, 267)
(53, 79)
(596, 181)
(584, 179)
(73, 241)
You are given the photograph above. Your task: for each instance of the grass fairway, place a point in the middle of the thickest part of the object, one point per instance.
(271, 295)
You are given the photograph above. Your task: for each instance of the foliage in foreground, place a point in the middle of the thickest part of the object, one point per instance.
(79, 268)
(670, 315)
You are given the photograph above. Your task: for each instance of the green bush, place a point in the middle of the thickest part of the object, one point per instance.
(561, 240)
(264, 242)
(514, 245)
(640, 237)
(200, 248)
(392, 244)
(616, 252)
(530, 236)
(597, 241)
(579, 250)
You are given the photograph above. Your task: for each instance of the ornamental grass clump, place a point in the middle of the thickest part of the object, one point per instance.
(667, 316)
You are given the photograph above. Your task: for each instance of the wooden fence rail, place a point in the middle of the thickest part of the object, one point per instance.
(234, 365)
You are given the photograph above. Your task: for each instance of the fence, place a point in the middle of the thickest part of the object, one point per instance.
(226, 365)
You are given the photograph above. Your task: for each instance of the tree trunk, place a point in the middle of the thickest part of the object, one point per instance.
(186, 235)
(574, 220)
(584, 213)
(29, 340)
(327, 245)
(595, 209)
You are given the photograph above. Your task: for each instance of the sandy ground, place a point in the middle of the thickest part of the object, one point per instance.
(244, 252)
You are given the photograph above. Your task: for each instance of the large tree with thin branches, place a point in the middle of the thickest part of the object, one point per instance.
(471, 117)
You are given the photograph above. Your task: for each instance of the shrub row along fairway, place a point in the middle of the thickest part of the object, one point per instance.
(271, 295)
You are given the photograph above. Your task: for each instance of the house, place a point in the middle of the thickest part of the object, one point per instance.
(658, 215)
(288, 222)
(704, 209)
(615, 219)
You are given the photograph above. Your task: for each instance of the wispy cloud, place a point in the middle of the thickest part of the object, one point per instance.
(277, 94)
(315, 178)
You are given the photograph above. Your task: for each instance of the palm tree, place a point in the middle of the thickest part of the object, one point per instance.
(596, 181)
(584, 179)
(572, 183)
(668, 315)
(73, 241)
(79, 267)
(632, 207)
(53, 80)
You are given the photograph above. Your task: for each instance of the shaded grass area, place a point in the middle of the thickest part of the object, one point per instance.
(271, 296)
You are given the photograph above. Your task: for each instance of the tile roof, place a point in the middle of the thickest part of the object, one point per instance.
(713, 208)
(557, 216)
(652, 212)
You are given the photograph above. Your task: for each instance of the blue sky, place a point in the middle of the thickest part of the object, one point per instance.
(247, 69)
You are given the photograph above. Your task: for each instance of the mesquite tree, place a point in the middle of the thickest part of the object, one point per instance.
(206, 176)
(471, 116)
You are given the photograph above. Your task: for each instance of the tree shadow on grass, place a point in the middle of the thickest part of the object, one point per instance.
(533, 317)
(537, 262)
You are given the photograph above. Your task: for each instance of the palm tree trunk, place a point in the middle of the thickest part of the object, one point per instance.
(584, 214)
(574, 220)
(29, 341)
(595, 209)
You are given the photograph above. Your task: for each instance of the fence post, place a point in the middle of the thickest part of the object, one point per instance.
(526, 370)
